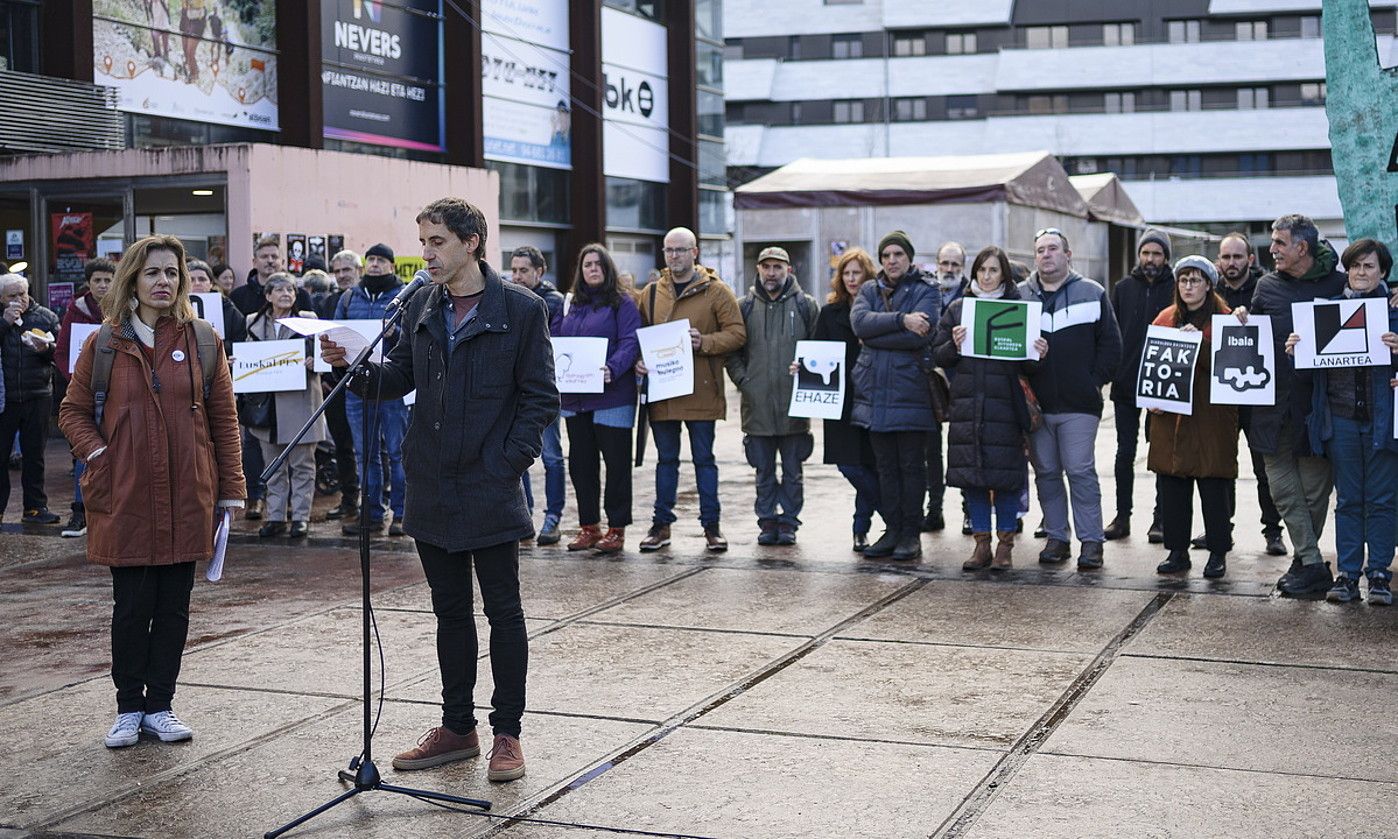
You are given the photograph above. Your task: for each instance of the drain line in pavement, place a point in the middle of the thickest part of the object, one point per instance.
(961, 820)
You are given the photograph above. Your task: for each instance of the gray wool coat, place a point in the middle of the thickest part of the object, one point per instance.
(293, 407)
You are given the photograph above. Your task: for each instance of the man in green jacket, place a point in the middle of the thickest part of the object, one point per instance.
(777, 314)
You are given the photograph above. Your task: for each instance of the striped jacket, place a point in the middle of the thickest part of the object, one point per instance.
(1084, 345)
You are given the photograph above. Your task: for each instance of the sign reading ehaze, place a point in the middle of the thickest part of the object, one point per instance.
(819, 389)
(1166, 377)
(1341, 333)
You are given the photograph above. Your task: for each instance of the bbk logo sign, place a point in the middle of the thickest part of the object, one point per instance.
(628, 95)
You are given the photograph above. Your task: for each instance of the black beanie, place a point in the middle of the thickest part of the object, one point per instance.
(380, 250)
(898, 238)
(1157, 237)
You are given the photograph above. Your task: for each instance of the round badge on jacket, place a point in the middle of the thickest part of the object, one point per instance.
(177, 355)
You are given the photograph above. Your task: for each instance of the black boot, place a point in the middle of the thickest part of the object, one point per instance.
(1216, 567)
(884, 546)
(909, 546)
(1176, 562)
(1056, 552)
(1120, 528)
(1306, 581)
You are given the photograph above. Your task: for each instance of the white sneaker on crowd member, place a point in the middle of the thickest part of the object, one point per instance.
(125, 731)
(166, 726)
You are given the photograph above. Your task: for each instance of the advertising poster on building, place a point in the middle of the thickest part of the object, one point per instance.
(525, 64)
(1341, 333)
(14, 245)
(1166, 377)
(60, 297)
(335, 243)
(268, 366)
(296, 253)
(578, 363)
(819, 389)
(1001, 329)
(198, 60)
(382, 72)
(636, 98)
(1244, 362)
(668, 354)
(73, 243)
(209, 306)
(315, 246)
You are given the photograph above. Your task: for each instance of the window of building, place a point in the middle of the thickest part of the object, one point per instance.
(844, 2)
(1250, 30)
(708, 19)
(1186, 166)
(1250, 98)
(793, 47)
(1256, 163)
(849, 110)
(532, 193)
(1310, 26)
(847, 46)
(1186, 100)
(1118, 34)
(963, 107)
(961, 43)
(1119, 103)
(633, 205)
(796, 113)
(912, 109)
(19, 36)
(710, 105)
(653, 9)
(1045, 37)
(1183, 31)
(910, 43)
(1046, 104)
(708, 64)
(715, 207)
(1313, 93)
(712, 167)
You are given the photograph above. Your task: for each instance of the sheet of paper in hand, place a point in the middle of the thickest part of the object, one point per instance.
(819, 389)
(668, 354)
(1166, 376)
(578, 363)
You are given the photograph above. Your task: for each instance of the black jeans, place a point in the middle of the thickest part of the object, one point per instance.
(31, 419)
(449, 577)
(901, 460)
(1128, 429)
(150, 622)
(589, 444)
(1177, 511)
(936, 477)
(343, 438)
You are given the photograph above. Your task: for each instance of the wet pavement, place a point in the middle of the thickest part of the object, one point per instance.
(765, 692)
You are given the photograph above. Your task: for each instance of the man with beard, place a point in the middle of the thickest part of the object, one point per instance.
(951, 285)
(1136, 299)
(1238, 274)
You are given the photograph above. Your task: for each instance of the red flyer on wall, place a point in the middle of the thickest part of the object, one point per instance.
(73, 243)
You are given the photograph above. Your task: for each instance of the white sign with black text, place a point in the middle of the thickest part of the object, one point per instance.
(578, 363)
(1341, 333)
(668, 353)
(269, 366)
(819, 389)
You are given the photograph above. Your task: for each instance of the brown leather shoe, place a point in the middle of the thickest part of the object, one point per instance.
(614, 542)
(1003, 550)
(586, 539)
(438, 746)
(714, 541)
(254, 509)
(981, 558)
(657, 538)
(506, 759)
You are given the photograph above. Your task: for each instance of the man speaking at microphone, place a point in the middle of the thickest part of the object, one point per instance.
(477, 352)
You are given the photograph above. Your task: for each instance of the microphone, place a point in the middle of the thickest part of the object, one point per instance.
(420, 279)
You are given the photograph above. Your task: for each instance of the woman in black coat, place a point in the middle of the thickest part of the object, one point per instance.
(846, 444)
(990, 419)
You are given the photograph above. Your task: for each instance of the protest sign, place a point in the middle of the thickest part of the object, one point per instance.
(1341, 333)
(209, 307)
(269, 366)
(669, 358)
(1166, 376)
(819, 389)
(1000, 329)
(77, 335)
(1244, 362)
(578, 363)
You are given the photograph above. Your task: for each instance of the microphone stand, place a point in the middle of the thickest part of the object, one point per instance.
(362, 772)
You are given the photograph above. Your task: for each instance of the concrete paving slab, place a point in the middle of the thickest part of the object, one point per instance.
(1273, 631)
(997, 615)
(555, 587)
(961, 696)
(1234, 716)
(737, 784)
(1056, 797)
(639, 673)
(799, 602)
(271, 783)
(57, 759)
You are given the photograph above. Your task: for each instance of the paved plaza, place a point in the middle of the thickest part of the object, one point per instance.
(765, 692)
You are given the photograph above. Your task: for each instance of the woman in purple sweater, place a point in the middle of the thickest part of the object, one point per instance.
(599, 424)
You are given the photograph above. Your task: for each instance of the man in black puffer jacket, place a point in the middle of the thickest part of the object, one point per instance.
(1301, 482)
(1136, 298)
(28, 363)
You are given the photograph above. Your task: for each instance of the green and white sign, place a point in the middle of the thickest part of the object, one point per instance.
(1000, 329)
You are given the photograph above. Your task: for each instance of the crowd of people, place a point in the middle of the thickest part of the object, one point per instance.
(163, 449)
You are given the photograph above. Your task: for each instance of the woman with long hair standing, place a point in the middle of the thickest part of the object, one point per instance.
(162, 454)
(990, 421)
(599, 424)
(847, 445)
(1202, 447)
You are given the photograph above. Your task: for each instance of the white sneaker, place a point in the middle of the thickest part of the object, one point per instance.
(125, 731)
(166, 726)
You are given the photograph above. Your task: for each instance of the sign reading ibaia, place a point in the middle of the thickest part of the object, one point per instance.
(1001, 329)
(1341, 333)
(1166, 377)
(1244, 361)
